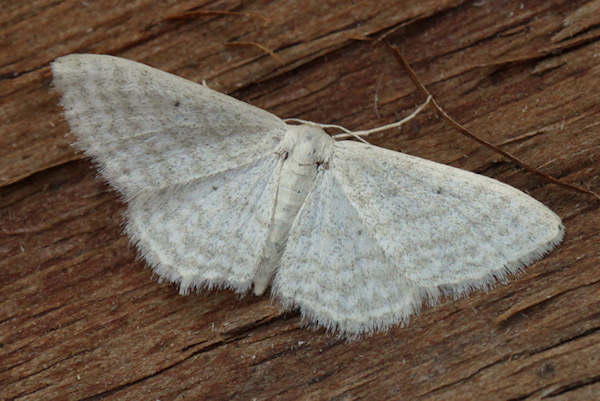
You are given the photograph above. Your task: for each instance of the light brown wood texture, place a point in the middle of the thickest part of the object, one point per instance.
(82, 319)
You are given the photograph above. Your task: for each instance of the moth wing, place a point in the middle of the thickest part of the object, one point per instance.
(335, 272)
(443, 226)
(384, 231)
(197, 167)
(209, 232)
(148, 129)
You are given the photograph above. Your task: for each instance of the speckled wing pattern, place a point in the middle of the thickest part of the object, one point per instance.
(383, 232)
(197, 167)
(147, 128)
(211, 232)
(334, 271)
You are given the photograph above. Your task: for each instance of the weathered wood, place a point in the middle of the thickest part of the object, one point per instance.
(81, 318)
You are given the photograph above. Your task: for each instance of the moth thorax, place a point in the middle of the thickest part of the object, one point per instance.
(307, 144)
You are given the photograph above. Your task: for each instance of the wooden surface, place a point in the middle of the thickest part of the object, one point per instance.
(82, 319)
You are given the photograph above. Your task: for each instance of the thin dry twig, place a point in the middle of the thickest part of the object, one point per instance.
(392, 30)
(261, 47)
(463, 130)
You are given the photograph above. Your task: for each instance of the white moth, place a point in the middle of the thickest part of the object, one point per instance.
(224, 194)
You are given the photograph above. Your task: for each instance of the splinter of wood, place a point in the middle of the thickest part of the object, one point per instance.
(197, 13)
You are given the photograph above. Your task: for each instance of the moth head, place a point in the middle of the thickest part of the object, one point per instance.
(308, 144)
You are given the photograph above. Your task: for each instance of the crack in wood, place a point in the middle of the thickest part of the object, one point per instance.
(573, 386)
(466, 378)
(48, 367)
(515, 312)
(509, 357)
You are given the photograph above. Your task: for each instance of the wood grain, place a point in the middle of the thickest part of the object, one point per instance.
(82, 319)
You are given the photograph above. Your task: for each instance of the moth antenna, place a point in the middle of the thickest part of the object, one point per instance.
(396, 124)
(348, 133)
(363, 133)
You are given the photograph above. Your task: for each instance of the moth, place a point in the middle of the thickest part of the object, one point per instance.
(222, 194)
